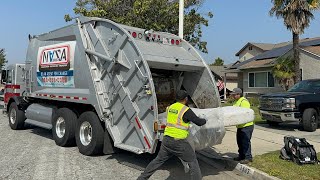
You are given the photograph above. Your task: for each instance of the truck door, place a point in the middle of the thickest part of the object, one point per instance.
(13, 82)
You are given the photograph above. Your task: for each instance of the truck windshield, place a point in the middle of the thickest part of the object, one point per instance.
(306, 86)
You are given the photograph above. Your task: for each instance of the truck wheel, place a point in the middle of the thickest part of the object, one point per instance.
(16, 117)
(63, 127)
(310, 119)
(89, 134)
(272, 123)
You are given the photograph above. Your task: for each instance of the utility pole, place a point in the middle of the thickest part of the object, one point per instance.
(181, 16)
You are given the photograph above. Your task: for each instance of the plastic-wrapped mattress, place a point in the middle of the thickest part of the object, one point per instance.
(213, 131)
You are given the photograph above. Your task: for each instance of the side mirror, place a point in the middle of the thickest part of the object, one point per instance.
(4, 76)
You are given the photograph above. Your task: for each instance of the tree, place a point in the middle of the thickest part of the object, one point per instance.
(283, 71)
(217, 62)
(3, 60)
(159, 15)
(296, 15)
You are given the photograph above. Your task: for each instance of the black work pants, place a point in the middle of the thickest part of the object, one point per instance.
(169, 147)
(244, 142)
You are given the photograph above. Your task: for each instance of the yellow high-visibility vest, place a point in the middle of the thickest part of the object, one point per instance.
(243, 102)
(176, 127)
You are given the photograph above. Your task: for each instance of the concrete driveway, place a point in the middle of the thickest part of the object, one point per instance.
(265, 139)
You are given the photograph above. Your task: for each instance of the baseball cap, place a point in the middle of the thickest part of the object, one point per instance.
(181, 94)
(236, 91)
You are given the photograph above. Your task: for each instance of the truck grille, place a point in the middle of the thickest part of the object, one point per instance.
(273, 104)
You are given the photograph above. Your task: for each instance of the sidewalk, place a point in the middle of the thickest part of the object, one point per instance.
(262, 142)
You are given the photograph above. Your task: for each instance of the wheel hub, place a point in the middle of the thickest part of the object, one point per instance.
(13, 116)
(85, 133)
(313, 120)
(60, 127)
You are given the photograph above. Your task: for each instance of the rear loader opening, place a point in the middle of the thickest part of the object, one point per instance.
(167, 83)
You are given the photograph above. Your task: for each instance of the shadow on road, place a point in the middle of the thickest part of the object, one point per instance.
(40, 131)
(173, 165)
(282, 126)
(224, 161)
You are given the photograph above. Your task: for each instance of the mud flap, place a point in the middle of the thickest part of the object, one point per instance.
(108, 147)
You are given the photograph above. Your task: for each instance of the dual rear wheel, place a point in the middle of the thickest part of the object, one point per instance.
(67, 130)
(86, 131)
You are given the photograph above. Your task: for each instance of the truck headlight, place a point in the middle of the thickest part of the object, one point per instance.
(290, 100)
(289, 103)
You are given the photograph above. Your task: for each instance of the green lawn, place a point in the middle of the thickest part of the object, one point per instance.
(271, 164)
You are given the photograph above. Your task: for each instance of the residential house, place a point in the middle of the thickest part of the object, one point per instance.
(219, 74)
(255, 74)
(251, 50)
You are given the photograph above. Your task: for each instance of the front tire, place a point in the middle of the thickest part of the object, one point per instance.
(16, 117)
(310, 120)
(89, 134)
(63, 127)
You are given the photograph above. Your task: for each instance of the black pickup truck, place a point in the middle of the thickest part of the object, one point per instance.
(301, 103)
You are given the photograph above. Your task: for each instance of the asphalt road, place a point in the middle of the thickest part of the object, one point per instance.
(32, 154)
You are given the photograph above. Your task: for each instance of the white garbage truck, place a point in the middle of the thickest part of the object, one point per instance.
(100, 85)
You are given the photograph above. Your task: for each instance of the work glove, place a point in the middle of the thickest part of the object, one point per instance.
(203, 116)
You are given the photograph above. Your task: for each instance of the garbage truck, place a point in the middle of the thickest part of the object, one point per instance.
(101, 85)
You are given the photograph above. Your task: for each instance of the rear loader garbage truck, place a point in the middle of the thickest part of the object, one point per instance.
(100, 85)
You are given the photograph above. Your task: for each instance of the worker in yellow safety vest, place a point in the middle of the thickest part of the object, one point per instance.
(174, 142)
(244, 131)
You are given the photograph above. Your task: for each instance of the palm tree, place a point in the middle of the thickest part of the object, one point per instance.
(283, 71)
(297, 15)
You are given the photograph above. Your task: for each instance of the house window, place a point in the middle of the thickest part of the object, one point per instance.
(244, 58)
(261, 79)
(250, 48)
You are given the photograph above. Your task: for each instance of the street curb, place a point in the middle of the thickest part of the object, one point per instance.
(241, 168)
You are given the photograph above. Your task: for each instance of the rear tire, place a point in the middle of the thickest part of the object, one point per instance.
(63, 127)
(16, 117)
(273, 123)
(89, 134)
(310, 120)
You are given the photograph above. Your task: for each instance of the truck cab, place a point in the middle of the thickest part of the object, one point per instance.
(13, 79)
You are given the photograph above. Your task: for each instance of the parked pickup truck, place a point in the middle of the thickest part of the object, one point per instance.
(301, 103)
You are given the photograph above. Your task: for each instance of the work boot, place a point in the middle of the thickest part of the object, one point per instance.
(245, 161)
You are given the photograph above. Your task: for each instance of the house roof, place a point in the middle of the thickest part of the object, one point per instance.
(262, 46)
(260, 63)
(270, 46)
(312, 49)
(221, 70)
(276, 52)
(217, 69)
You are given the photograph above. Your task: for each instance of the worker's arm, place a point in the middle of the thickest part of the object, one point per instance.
(190, 116)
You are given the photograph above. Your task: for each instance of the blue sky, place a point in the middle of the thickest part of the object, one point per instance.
(234, 24)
